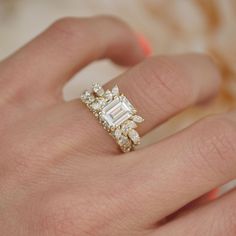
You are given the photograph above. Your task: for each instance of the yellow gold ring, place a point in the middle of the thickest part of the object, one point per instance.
(117, 115)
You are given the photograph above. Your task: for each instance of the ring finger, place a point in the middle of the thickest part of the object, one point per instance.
(159, 87)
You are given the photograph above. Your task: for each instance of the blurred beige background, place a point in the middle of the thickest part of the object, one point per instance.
(172, 26)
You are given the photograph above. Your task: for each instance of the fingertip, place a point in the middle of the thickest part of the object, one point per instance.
(141, 49)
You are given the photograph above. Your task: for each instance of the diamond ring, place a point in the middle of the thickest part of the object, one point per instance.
(117, 115)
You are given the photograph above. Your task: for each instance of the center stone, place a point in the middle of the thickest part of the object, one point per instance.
(117, 111)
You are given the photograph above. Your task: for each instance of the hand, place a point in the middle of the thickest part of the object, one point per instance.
(62, 174)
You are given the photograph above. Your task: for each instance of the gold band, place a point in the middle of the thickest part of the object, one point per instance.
(116, 114)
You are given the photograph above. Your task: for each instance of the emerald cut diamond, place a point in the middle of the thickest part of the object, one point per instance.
(117, 111)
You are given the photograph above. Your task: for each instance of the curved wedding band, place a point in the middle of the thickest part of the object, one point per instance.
(117, 115)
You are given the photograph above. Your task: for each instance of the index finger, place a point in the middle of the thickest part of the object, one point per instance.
(41, 68)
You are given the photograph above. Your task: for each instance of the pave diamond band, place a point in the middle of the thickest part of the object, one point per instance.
(117, 115)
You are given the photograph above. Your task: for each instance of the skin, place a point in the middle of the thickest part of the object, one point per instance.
(62, 174)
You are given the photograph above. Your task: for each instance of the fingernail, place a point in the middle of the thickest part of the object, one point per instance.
(213, 194)
(144, 43)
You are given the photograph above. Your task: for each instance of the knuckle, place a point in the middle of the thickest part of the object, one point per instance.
(170, 80)
(122, 28)
(109, 19)
(64, 23)
(14, 87)
(18, 94)
(67, 25)
(69, 31)
(214, 142)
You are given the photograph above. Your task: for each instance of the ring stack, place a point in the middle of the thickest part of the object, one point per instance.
(117, 115)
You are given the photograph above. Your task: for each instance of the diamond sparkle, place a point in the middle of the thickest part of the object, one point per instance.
(117, 111)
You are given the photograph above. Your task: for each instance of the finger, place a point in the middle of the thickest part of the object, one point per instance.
(206, 198)
(46, 63)
(185, 166)
(159, 88)
(162, 86)
(216, 219)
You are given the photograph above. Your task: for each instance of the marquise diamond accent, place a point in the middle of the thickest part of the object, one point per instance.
(116, 113)
(127, 126)
(115, 90)
(137, 119)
